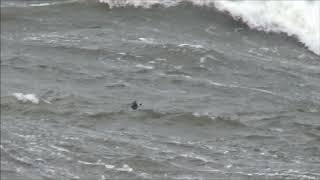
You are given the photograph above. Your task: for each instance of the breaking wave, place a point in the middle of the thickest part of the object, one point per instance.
(300, 19)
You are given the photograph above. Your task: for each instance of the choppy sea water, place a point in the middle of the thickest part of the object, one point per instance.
(220, 99)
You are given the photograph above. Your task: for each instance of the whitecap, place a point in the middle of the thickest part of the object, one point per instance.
(295, 18)
(27, 98)
(299, 18)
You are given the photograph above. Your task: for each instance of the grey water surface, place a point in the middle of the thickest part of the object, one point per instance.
(219, 101)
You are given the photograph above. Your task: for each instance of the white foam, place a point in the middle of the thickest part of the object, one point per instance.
(139, 3)
(52, 3)
(196, 46)
(147, 40)
(126, 168)
(98, 163)
(27, 98)
(40, 4)
(299, 18)
(295, 18)
(144, 66)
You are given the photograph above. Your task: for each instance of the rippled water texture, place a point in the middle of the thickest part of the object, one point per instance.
(219, 101)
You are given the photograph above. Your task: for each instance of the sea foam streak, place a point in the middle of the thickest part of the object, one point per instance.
(295, 18)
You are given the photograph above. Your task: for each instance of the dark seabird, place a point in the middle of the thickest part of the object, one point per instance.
(134, 105)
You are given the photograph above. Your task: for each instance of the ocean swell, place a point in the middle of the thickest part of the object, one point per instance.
(300, 19)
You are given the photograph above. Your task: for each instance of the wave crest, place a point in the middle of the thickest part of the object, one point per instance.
(300, 18)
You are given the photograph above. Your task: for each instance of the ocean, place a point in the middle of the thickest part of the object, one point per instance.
(225, 89)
